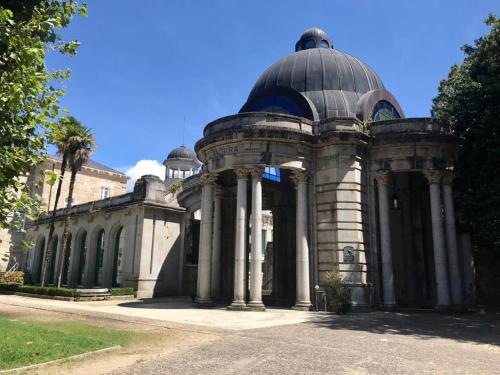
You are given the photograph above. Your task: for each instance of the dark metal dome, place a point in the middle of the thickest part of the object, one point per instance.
(334, 82)
(182, 152)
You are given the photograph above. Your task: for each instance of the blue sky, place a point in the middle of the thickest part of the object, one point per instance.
(146, 68)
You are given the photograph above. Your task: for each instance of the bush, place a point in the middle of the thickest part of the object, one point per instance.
(35, 289)
(122, 291)
(9, 287)
(16, 277)
(339, 295)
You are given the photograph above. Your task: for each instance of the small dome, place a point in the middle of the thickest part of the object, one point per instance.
(182, 152)
(313, 38)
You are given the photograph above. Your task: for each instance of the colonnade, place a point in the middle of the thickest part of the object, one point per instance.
(447, 271)
(209, 269)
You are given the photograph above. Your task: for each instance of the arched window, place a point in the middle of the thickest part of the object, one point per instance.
(99, 258)
(67, 260)
(384, 110)
(38, 259)
(52, 264)
(324, 44)
(118, 258)
(309, 43)
(81, 258)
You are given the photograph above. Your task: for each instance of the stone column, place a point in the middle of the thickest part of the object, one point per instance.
(240, 240)
(303, 300)
(216, 244)
(203, 298)
(256, 242)
(388, 298)
(451, 240)
(443, 295)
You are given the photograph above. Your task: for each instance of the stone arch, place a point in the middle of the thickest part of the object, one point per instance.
(52, 269)
(80, 256)
(38, 252)
(96, 257)
(115, 253)
(67, 259)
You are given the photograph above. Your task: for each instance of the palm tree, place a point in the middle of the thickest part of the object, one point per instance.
(80, 146)
(59, 137)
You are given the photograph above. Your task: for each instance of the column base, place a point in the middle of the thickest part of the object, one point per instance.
(443, 308)
(203, 303)
(256, 306)
(302, 306)
(238, 306)
(388, 306)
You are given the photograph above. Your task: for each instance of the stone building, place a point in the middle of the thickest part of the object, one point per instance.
(94, 181)
(322, 152)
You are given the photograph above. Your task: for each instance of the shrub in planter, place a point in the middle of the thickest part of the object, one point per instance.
(16, 277)
(122, 291)
(339, 295)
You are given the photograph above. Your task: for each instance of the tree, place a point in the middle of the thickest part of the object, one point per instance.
(470, 99)
(29, 92)
(79, 148)
(60, 136)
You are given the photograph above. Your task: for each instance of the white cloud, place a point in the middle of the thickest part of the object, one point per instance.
(141, 168)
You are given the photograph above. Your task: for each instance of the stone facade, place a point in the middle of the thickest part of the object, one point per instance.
(92, 182)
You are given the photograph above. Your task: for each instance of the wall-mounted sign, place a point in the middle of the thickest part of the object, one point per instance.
(348, 254)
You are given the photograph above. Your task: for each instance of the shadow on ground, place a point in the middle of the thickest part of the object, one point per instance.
(481, 329)
(160, 303)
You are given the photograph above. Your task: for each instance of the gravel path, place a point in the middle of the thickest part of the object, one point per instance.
(375, 343)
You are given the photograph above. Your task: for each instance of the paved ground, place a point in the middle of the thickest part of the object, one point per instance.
(172, 310)
(372, 343)
(375, 343)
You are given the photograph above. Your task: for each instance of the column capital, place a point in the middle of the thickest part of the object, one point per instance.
(256, 172)
(300, 176)
(208, 178)
(448, 177)
(242, 173)
(433, 176)
(382, 177)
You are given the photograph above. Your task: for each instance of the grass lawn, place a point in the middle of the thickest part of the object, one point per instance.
(26, 343)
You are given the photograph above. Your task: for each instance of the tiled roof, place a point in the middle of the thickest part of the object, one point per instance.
(91, 164)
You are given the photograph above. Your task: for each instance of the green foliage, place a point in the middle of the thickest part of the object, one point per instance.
(24, 343)
(16, 277)
(339, 294)
(175, 187)
(29, 92)
(35, 289)
(122, 291)
(470, 99)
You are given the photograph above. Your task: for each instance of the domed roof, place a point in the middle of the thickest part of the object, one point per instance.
(333, 81)
(182, 152)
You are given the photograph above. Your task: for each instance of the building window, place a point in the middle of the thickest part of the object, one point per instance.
(384, 110)
(324, 44)
(272, 173)
(309, 43)
(105, 192)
